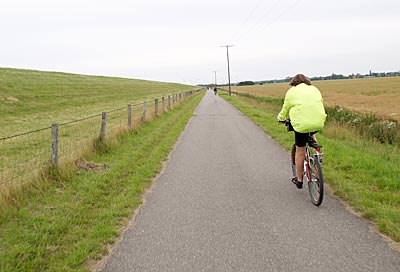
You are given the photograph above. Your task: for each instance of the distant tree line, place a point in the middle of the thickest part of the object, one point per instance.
(245, 83)
(330, 77)
(335, 76)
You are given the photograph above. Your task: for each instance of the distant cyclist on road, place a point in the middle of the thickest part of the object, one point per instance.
(304, 106)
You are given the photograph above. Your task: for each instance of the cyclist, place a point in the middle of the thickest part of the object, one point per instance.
(303, 104)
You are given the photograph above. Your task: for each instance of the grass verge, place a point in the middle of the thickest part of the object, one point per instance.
(65, 224)
(363, 173)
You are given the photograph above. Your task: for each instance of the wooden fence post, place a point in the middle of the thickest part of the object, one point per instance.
(144, 112)
(163, 103)
(156, 106)
(54, 145)
(169, 102)
(103, 126)
(129, 116)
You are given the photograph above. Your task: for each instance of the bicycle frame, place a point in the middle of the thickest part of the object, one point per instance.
(311, 154)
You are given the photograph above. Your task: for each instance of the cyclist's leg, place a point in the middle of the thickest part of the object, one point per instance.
(313, 142)
(300, 141)
(312, 135)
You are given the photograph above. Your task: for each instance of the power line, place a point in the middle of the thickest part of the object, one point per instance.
(259, 20)
(246, 20)
(283, 13)
(272, 21)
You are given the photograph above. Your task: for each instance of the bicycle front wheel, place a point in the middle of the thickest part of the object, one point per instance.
(316, 182)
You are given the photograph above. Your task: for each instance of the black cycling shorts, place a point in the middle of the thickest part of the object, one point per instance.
(300, 139)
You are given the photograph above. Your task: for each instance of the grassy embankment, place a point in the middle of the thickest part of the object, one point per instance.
(65, 225)
(363, 172)
(33, 99)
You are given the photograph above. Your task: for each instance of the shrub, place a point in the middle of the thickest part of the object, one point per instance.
(368, 125)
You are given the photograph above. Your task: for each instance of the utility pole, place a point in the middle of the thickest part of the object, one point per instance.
(215, 77)
(229, 73)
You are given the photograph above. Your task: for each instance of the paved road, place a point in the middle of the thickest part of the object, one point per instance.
(224, 203)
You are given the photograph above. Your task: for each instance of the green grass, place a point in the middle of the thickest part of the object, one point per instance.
(65, 224)
(43, 98)
(364, 173)
(33, 99)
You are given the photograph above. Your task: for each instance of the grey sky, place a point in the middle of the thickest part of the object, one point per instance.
(180, 41)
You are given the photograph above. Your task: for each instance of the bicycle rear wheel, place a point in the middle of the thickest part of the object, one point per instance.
(316, 183)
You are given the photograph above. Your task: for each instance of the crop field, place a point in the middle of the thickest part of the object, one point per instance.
(33, 100)
(380, 96)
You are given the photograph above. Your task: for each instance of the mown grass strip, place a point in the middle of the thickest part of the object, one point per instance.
(64, 225)
(364, 173)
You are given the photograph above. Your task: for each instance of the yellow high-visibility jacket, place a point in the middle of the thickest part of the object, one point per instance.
(304, 106)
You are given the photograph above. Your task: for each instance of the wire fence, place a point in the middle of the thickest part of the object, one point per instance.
(26, 156)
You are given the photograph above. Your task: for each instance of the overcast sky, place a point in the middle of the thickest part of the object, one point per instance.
(179, 41)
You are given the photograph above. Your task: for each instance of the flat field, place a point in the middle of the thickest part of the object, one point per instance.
(370, 95)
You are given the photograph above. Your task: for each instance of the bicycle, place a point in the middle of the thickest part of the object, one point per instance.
(312, 168)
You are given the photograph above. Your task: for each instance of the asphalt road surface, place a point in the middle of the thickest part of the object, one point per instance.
(224, 202)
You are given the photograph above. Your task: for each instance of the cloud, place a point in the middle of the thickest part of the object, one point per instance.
(180, 40)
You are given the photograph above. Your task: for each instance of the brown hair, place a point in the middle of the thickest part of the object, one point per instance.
(299, 78)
